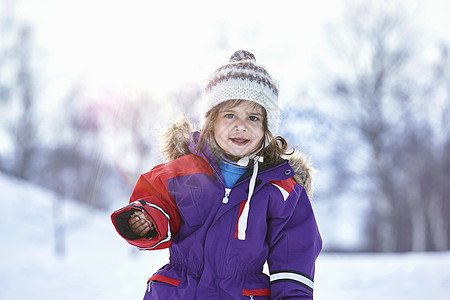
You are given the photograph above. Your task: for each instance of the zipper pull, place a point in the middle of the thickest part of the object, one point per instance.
(251, 296)
(225, 198)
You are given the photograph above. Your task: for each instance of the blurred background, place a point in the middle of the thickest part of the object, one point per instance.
(86, 87)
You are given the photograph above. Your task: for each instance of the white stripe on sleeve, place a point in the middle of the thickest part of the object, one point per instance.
(288, 276)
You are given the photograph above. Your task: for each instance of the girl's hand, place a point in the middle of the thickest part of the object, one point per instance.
(140, 223)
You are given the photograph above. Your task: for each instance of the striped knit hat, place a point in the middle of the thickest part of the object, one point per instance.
(243, 79)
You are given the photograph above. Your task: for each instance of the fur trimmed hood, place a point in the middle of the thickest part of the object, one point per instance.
(175, 139)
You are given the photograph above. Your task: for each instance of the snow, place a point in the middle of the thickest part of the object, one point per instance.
(100, 265)
(410, 276)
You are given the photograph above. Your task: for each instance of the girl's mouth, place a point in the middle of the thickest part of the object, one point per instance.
(239, 141)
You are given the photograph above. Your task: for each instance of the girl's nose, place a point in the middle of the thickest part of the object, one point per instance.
(240, 125)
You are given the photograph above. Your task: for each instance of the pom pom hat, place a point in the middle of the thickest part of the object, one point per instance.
(243, 79)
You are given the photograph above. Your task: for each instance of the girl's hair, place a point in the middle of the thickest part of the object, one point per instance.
(275, 147)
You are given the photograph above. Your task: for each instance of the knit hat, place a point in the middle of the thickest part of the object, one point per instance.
(243, 79)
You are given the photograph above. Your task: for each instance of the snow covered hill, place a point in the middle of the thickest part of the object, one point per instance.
(99, 265)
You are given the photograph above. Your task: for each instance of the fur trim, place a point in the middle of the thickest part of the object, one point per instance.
(301, 165)
(175, 138)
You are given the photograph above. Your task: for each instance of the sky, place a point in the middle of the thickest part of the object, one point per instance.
(159, 46)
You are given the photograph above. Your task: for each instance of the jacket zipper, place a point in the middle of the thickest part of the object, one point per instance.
(225, 198)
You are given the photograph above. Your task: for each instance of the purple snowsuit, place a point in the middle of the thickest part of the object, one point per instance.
(197, 218)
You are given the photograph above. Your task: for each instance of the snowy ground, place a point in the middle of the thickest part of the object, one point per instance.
(100, 265)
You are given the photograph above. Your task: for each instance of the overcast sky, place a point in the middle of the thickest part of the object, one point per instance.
(134, 45)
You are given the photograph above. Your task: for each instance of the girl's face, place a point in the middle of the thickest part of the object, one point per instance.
(239, 130)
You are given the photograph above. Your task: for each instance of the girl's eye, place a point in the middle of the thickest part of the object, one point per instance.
(253, 118)
(229, 116)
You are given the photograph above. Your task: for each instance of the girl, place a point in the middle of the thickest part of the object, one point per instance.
(226, 200)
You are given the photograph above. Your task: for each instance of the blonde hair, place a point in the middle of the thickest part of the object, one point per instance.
(273, 148)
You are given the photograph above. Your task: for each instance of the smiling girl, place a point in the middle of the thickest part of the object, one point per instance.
(228, 199)
(239, 130)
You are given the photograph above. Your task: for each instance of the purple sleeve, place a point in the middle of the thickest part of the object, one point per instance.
(295, 243)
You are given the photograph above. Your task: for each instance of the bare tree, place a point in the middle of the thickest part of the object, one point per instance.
(25, 129)
(17, 89)
(438, 178)
(382, 95)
